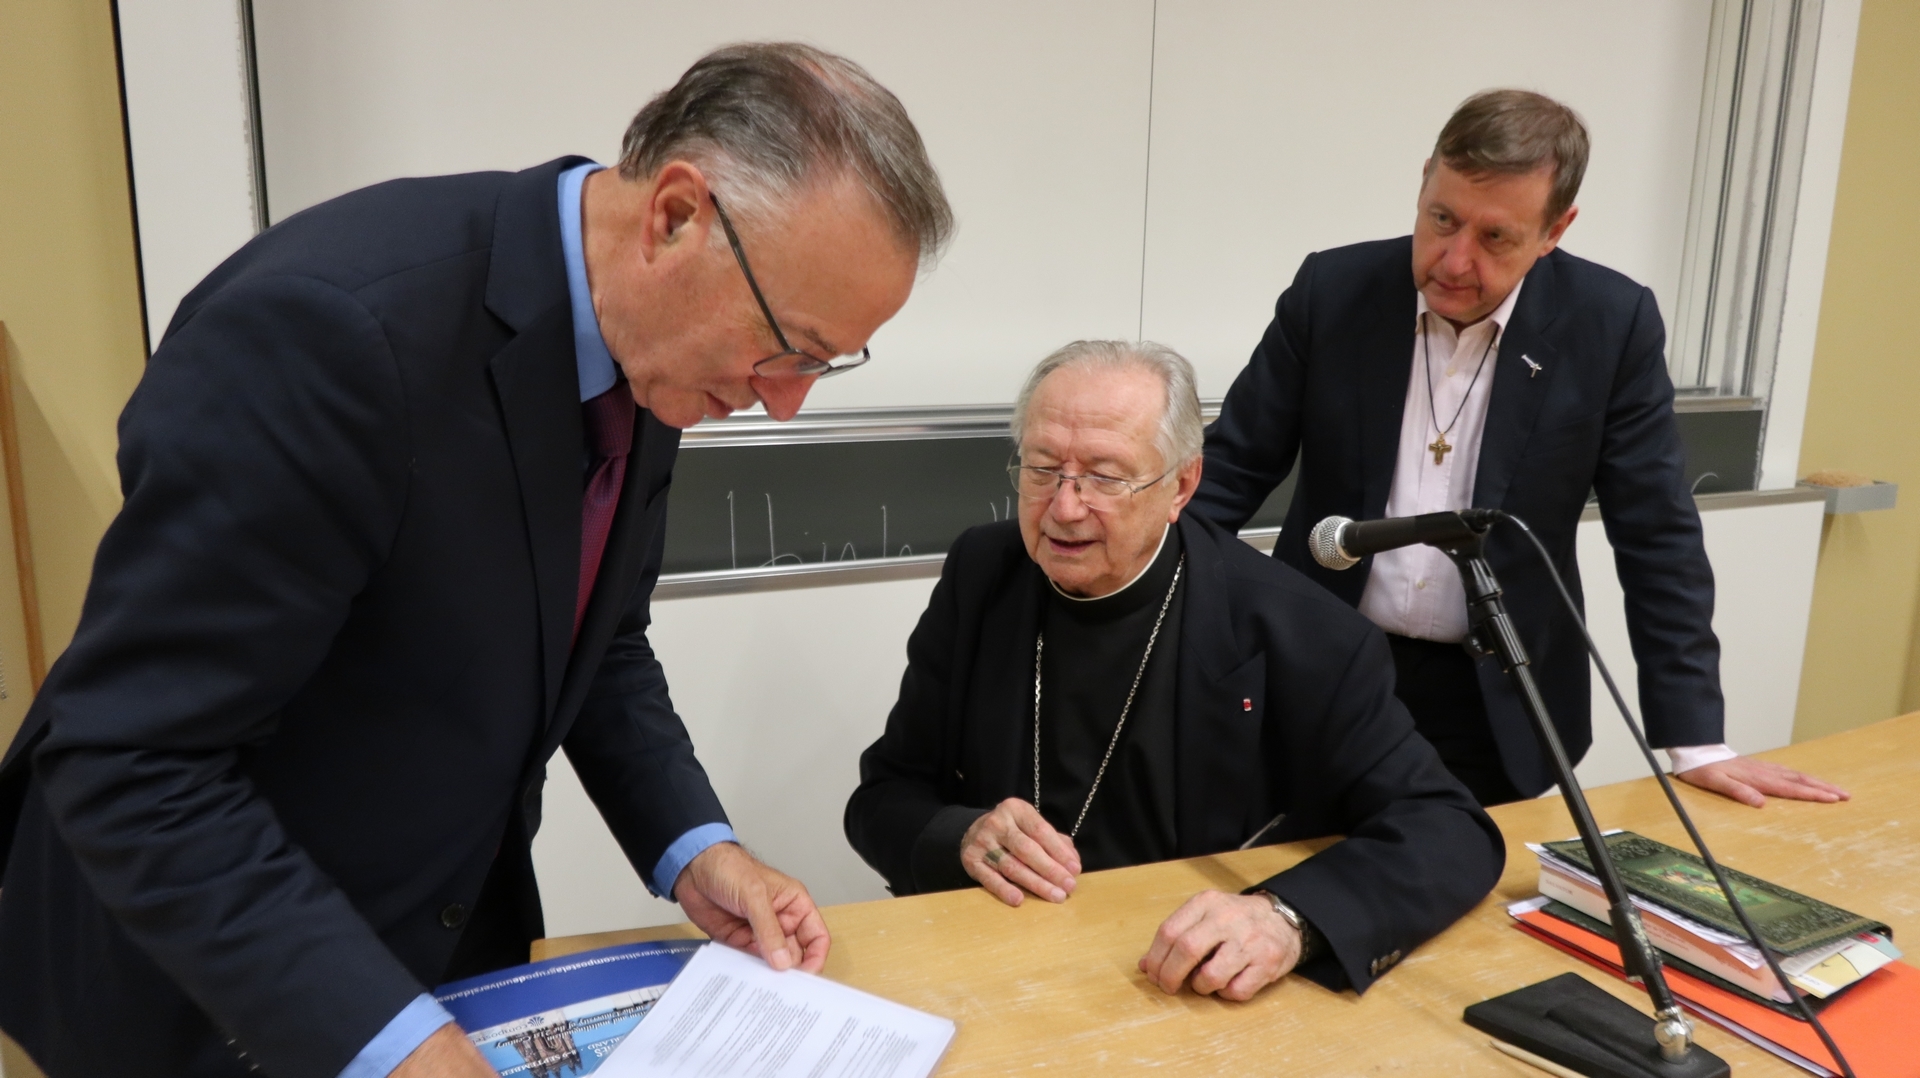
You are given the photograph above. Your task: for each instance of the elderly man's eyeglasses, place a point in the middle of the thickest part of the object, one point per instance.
(1102, 492)
(789, 362)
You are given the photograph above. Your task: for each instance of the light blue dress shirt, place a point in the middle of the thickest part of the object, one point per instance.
(422, 1017)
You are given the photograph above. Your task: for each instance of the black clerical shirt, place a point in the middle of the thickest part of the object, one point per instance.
(1093, 650)
(1284, 701)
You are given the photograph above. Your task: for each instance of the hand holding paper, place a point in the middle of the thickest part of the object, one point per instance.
(736, 900)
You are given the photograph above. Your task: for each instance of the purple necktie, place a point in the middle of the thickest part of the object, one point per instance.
(609, 418)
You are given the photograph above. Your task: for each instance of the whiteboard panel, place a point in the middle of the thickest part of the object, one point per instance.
(191, 142)
(1284, 128)
(1276, 128)
(1035, 114)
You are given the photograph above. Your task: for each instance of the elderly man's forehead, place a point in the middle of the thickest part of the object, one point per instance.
(1099, 426)
(1130, 398)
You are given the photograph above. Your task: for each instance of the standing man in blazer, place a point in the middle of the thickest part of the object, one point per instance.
(395, 483)
(1501, 372)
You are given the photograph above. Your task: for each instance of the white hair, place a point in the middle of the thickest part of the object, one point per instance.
(1182, 434)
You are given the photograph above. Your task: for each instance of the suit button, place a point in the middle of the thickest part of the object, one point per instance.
(453, 916)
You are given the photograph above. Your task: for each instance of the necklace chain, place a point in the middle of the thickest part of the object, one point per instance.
(1426, 351)
(1039, 647)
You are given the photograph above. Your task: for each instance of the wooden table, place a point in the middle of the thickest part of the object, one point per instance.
(1045, 986)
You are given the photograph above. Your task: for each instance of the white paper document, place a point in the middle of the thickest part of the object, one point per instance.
(729, 1014)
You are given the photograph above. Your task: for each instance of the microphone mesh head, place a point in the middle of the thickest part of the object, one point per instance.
(1324, 542)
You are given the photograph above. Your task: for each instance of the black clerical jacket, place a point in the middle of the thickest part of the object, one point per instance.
(1284, 704)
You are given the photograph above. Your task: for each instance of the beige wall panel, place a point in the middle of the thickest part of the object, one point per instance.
(1866, 384)
(14, 1063)
(17, 658)
(70, 303)
(69, 291)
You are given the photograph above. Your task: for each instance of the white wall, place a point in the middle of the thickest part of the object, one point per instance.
(782, 691)
(1118, 166)
(1284, 128)
(1763, 562)
(192, 144)
(1812, 227)
(1034, 112)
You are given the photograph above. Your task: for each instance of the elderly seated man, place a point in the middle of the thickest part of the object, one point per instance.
(1109, 682)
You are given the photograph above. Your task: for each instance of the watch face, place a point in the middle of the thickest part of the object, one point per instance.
(1284, 910)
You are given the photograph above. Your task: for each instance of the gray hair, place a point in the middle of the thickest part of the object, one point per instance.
(1181, 435)
(768, 121)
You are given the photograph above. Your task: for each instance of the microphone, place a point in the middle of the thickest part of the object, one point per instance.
(1340, 543)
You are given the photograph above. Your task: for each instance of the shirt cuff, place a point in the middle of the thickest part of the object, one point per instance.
(392, 1045)
(682, 852)
(1688, 757)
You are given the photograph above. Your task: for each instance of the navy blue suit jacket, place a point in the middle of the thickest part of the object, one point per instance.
(1284, 704)
(1326, 387)
(326, 650)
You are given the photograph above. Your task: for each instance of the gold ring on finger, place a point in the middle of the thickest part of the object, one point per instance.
(995, 855)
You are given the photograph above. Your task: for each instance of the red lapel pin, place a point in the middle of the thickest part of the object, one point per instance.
(1247, 704)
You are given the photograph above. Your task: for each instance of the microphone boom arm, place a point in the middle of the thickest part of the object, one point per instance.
(1491, 632)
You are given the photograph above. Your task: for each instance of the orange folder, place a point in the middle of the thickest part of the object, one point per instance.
(1876, 1022)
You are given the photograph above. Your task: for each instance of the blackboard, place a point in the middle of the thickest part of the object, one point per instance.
(812, 502)
(753, 507)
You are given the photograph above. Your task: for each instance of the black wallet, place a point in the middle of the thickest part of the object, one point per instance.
(1572, 1022)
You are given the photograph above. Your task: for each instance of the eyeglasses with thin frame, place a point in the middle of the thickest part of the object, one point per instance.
(1101, 492)
(789, 362)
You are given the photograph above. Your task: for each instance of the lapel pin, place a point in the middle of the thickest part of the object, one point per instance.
(1532, 367)
(1247, 704)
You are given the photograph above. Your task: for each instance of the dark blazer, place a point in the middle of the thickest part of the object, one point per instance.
(1326, 387)
(1325, 742)
(325, 653)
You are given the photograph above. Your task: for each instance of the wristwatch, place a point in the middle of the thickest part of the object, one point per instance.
(1291, 916)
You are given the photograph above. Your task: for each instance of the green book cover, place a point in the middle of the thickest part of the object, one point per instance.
(1788, 921)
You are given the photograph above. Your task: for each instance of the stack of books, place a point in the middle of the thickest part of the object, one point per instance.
(1822, 949)
(1845, 965)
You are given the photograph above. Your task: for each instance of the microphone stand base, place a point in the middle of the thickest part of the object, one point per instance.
(1570, 1021)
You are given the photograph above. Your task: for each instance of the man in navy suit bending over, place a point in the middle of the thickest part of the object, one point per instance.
(1501, 372)
(395, 484)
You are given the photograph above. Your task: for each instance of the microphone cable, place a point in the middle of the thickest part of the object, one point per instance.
(1673, 798)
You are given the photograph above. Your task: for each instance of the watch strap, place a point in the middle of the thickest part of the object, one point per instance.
(1291, 916)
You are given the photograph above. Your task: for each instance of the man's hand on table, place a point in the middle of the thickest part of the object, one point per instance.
(446, 1054)
(1751, 782)
(735, 899)
(1014, 849)
(1230, 945)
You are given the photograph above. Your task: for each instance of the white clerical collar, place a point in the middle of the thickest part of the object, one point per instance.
(1123, 587)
